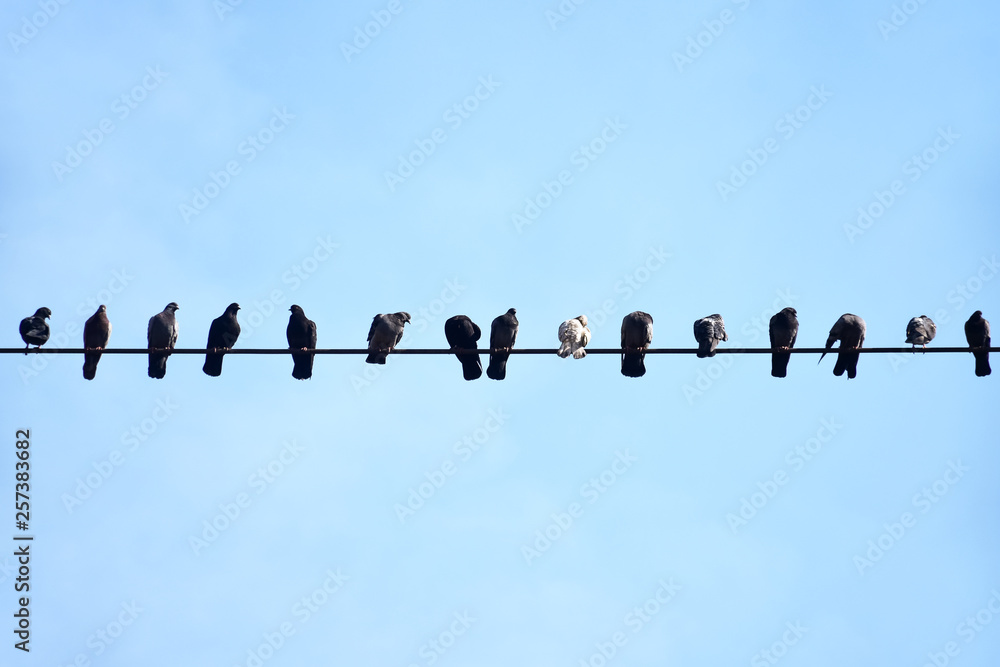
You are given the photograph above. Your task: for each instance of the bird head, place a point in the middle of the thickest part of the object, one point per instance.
(583, 319)
(171, 307)
(44, 313)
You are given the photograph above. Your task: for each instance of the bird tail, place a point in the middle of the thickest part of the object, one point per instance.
(633, 365)
(706, 348)
(472, 369)
(847, 361)
(982, 363)
(90, 360)
(579, 353)
(779, 364)
(377, 357)
(158, 365)
(302, 368)
(213, 365)
(497, 370)
(565, 349)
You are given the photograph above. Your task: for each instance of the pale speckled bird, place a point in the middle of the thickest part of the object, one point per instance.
(708, 331)
(574, 336)
(920, 331)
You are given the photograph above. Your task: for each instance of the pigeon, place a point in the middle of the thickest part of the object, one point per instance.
(503, 333)
(34, 329)
(301, 334)
(850, 331)
(162, 335)
(783, 328)
(462, 334)
(222, 335)
(920, 331)
(574, 336)
(384, 334)
(977, 332)
(637, 334)
(96, 332)
(708, 331)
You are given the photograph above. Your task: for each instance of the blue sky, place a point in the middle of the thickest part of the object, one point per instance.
(677, 158)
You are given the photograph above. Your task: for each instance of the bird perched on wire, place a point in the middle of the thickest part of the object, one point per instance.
(96, 332)
(503, 333)
(850, 331)
(463, 334)
(384, 334)
(783, 329)
(35, 330)
(301, 335)
(573, 337)
(708, 331)
(161, 335)
(920, 331)
(222, 335)
(637, 334)
(977, 333)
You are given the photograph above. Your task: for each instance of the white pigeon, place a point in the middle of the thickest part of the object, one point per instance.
(574, 336)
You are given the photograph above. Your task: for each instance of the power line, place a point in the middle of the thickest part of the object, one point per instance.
(486, 351)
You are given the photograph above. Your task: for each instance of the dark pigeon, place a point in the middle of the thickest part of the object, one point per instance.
(977, 332)
(301, 334)
(503, 333)
(637, 334)
(463, 334)
(384, 334)
(34, 329)
(162, 335)
(850, 331)
(920, 331)
(222, 335)
(783, 329)
(96, 332)
(708, 331)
